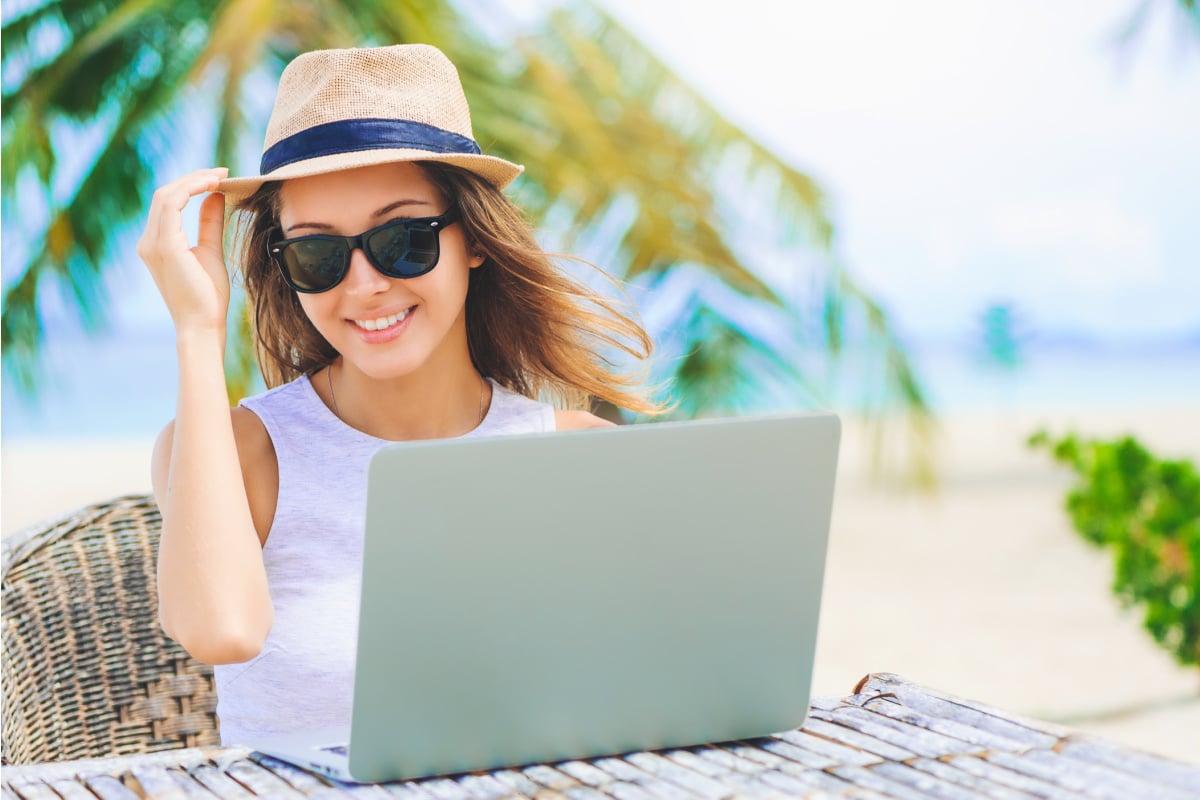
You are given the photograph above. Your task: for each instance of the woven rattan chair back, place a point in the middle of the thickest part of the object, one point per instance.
(87, 671)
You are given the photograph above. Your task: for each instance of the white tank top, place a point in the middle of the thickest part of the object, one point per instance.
(303, 678)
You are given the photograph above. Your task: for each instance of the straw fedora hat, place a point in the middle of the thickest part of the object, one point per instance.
(340, 109)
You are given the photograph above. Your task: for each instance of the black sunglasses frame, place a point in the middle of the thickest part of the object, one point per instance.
(276, 247)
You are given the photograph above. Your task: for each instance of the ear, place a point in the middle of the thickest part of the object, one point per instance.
(476, 260)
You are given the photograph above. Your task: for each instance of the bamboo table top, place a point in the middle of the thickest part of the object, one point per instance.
(891, 738)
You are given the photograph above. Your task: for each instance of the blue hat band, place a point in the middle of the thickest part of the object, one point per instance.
(354, 135)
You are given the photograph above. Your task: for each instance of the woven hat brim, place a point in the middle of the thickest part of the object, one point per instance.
(495, 170)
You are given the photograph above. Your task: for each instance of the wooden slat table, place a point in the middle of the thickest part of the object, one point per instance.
(891, 738)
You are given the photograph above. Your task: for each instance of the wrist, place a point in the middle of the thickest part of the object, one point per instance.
(194, 338)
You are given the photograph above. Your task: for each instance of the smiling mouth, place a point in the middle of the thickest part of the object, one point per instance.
(382, 323)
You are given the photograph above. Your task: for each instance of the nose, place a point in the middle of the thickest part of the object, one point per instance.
(362, 278)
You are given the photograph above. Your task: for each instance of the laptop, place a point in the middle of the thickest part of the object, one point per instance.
(559, 596)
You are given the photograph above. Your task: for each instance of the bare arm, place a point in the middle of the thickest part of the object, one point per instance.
(212, 586)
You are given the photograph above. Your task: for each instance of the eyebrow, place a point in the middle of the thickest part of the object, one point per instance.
(321, 226)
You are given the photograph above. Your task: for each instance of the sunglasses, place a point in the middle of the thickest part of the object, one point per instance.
(402, 248)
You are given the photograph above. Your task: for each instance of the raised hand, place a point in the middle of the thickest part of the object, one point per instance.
(193, 281)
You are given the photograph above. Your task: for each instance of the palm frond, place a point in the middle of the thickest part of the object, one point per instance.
(111, 192)
(611, 109)
(608, 141)
(902, 428)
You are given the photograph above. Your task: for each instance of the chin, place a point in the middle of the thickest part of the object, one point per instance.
(390, 369)
(400, 362)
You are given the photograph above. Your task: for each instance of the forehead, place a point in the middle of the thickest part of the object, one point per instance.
(350, 196)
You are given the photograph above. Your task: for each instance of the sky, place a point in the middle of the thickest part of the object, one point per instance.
(975, 153)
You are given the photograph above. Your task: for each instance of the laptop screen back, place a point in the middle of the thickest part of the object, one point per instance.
(573, 594)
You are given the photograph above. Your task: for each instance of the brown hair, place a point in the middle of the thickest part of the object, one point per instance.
(530, 327)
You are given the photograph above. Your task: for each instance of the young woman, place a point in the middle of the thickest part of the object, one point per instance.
(396, 295)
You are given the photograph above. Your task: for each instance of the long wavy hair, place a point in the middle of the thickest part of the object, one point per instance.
(530, 327)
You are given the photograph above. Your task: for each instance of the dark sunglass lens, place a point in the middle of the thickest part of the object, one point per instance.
(315, 265)
(403, 250)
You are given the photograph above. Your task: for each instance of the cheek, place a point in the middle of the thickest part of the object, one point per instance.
(454, 246)
(454, 281)
(316, 308)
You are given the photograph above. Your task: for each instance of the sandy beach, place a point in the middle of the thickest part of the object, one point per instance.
(981, 588)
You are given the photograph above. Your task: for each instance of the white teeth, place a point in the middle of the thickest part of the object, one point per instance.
(382, 322)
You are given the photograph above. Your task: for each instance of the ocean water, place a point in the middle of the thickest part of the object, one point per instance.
(1061, 378)
(121, 386)
(103, 386)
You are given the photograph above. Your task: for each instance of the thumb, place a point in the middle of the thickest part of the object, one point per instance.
(212, 223)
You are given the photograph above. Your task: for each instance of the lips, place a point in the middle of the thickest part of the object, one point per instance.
(382, 323)
(377, 330)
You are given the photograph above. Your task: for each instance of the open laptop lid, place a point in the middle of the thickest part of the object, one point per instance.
(565, 595)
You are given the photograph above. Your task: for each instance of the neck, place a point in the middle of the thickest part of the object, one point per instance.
(427, 404)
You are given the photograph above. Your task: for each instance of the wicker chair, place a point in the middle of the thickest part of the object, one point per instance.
(87, 671)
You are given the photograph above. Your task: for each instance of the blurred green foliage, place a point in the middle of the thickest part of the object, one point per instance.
(1147, 511)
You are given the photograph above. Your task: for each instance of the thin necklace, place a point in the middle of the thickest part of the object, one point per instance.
(332, 396)
(336, 413)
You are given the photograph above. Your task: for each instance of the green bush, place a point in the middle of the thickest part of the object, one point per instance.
(1147, 511)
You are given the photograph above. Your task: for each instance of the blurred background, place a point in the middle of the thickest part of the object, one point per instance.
(956, 224)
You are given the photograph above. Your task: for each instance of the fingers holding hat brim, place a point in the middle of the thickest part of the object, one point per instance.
(494, 170)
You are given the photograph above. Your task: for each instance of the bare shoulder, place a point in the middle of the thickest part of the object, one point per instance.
(572, 420)
(256, 457)
(253, 441)
(260, 468)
